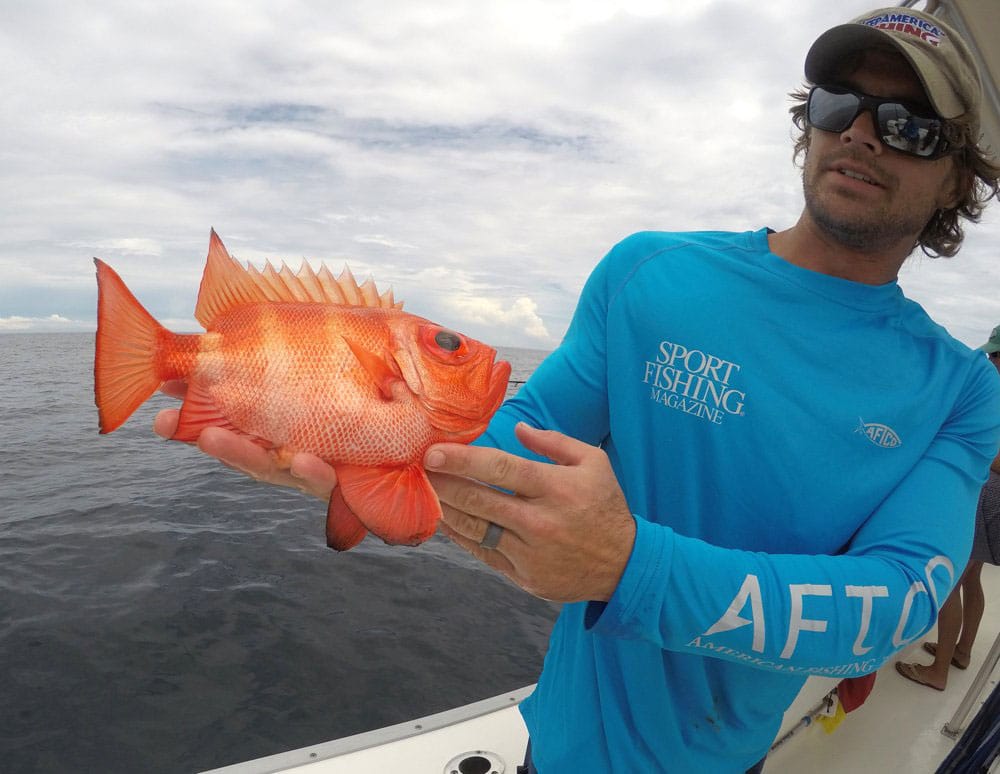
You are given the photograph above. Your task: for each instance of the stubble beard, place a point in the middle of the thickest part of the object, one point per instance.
(872, 231)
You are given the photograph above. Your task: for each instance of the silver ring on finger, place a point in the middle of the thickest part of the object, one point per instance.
(492, 536)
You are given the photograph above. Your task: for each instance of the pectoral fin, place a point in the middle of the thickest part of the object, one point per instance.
(384, 374)
(397, 504)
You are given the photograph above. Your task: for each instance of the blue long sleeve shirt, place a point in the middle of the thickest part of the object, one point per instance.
(803, 456)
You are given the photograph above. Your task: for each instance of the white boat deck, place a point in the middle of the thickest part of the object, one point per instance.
(898, 729)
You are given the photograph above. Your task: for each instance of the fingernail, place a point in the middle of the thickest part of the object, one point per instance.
(434, 459)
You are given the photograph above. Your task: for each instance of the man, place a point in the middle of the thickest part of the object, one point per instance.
(766, 459)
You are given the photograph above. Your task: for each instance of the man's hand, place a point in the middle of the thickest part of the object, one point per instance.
(305, 472)
(568, 532)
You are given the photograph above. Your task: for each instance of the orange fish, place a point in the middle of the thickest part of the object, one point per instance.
(305, 362)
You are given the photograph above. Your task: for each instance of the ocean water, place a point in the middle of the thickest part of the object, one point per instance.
(161, 613)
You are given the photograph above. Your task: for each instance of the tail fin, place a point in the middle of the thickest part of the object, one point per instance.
(125, 372)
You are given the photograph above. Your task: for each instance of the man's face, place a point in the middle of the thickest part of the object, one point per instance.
(862, 194)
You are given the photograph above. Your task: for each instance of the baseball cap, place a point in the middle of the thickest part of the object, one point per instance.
(937, 53)
(993, 345)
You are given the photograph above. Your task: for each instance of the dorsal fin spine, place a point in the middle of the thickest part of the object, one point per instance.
(311, 283)
(350, 287)
(226, 283)
(330, 286)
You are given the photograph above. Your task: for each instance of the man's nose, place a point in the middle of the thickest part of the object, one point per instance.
(863, 131)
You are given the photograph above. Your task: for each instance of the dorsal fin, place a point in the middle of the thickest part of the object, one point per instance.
(226, 283)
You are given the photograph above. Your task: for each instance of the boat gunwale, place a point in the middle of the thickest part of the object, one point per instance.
(378, 737)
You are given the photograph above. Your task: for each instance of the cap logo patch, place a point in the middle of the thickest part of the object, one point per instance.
(908, 25)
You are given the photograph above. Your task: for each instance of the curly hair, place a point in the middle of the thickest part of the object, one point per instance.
(977, 172)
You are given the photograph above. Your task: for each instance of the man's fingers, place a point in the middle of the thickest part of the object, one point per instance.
(175, 388)
(318, 477)
(567, 530)
(561, 449)
(491, 466)
(495, 558)
(466, 537)
(236, 452)
(302, 471)
(468, 507)
(165, 424)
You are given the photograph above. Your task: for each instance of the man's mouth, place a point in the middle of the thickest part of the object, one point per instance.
(857, 176)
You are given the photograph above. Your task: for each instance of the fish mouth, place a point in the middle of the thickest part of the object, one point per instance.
(495, 393)
(499, 379)
(467, 421)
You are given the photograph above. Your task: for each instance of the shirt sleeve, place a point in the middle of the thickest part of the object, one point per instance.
(568, 390)
(818, 614)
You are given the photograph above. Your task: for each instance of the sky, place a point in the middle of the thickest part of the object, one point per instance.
(477, 156)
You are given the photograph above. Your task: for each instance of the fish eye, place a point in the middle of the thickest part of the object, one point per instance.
(444, 345)
(448, 341)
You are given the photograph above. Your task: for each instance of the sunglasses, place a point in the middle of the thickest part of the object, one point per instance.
(899, 126)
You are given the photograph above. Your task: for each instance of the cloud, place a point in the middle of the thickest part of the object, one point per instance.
(130, 245)
(52, 323)
(510, 142)
(521, 316)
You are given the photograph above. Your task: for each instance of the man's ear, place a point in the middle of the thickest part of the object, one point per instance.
(955, 187)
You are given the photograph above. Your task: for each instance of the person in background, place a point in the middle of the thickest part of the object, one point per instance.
(958, 620)
(751, 459)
